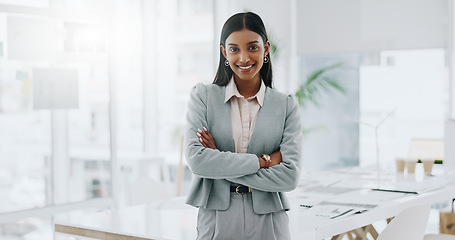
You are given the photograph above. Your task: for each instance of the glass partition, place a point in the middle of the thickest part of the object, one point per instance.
(410, 90)
(54, 111)
(61, 90)
(330, 122)
(26, 137)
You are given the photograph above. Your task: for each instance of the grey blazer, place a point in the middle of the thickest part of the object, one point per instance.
(278, 127)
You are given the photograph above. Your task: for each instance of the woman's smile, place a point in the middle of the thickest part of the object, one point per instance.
(245, 68)
(245, 51)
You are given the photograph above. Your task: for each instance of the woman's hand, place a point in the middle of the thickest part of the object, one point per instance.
(275, 159)
(205, 138)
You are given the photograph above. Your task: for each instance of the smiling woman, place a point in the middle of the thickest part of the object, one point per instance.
(242, 141)
(244, 45)
(245, 54)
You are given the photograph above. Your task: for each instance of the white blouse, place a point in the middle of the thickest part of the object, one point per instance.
(244, 113)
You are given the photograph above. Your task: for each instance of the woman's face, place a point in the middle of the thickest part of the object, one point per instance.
(245, 50)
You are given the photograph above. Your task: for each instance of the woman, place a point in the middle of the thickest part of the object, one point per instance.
(242, 141)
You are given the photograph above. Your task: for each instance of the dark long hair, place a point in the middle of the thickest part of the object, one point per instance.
(237, 22)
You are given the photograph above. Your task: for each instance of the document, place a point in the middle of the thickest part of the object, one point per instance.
(334, 211)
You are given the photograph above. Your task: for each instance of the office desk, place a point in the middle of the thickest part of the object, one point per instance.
(174, 220)
(352, 187)
(170, 219)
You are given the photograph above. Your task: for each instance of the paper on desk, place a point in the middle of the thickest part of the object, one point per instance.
(333, 211)
(338, 208)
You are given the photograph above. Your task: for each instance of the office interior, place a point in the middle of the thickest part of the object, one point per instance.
(93, 94)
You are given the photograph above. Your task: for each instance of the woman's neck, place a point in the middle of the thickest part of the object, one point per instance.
(248, 88)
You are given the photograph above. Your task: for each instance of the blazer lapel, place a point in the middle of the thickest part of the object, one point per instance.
(224, 116)
(264, 111)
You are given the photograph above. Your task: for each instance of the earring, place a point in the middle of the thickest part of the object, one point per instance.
(266, 59)
(226, 63)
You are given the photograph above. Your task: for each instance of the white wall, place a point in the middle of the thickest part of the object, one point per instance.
(331, 26)
(449, 153)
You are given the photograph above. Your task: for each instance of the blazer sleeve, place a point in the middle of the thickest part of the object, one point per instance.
(284, 176)
(206, 162)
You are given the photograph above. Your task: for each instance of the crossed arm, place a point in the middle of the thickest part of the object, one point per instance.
(282, 175)
(206, 161)
(207, 140)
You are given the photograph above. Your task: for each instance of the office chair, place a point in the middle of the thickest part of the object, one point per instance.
(408, 224)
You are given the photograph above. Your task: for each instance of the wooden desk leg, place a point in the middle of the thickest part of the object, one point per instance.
(363, 231)
(93, 234)
(370, 229)
(341, 236)
(358, 234)
(338, 237)
(389, 220)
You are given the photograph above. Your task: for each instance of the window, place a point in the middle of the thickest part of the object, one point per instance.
(411, 86)
(54, 111)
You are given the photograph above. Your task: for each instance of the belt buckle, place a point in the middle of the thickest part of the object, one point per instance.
(237, 189)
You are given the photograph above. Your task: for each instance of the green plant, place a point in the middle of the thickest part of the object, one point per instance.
(318, 81)
(274, 46)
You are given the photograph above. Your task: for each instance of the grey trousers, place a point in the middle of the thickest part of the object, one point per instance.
(240, 222)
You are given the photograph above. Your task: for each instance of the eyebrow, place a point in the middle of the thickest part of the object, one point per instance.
(246, 44)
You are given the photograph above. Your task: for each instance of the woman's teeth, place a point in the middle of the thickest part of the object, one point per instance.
(246, 67)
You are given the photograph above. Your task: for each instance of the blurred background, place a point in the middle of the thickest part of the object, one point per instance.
(93, 93)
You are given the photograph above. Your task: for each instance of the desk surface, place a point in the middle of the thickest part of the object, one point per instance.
(171, 219)
(342, 189)
(351, 188)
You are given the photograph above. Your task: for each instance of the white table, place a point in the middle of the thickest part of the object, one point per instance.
(174, 220)
(354, 186)
(170, 219)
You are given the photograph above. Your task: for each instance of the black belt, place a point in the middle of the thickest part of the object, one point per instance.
(240, 189)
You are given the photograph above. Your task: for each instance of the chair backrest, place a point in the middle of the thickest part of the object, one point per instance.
(408, 224)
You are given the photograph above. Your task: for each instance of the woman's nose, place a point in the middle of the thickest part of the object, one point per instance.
(244, 57)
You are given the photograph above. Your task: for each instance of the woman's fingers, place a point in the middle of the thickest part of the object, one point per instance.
(209, 138)
(208, 134)
(205, 135)
(202, 142)
(206, 138)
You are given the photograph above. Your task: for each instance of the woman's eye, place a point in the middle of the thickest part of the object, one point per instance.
(253, 47)
(233, 49)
